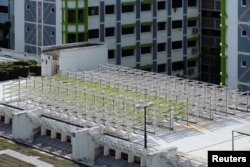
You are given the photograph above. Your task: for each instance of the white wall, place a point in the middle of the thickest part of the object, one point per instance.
(48, 65)
(83, 58)
(232, 42)
(83, 146)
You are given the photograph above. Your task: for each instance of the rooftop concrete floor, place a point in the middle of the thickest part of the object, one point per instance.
(195, 140)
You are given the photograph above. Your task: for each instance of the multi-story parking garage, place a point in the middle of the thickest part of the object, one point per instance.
(91, 115)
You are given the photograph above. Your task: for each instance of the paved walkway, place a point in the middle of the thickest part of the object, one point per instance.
(29, 159)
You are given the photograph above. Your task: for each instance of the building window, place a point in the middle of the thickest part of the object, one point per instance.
(48, 132)
(93, 11)
(71, 16)
(177, 45)
(109, 31)
(52, 34)
(161, 26)
(191, 23)
(68, 139)
(145, 50)
(243, 2)
(243, 63)
(58, 136)
(124, 156)
(161, 5)
(71, 38)
(145, 7)
(111, 152)
(191, 63)
(192, 43)
(191, 2)
(27, 29)
(94, 33)
(3, 9)
(176, 24)
(109, 9)
(127, 8)
(161, 67)
(52, 10)
(137, 160)
(111, 54)
(127, 30)
(177, 65)
(27, 7)
(161, 47)
(127, 52)
(176, 3)
(145, 28)
(243, 33)
(80, 37)
(80, 15)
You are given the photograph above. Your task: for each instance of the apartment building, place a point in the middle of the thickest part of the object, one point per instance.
(155, 35)
(238, 50)
(4, 23)
(210, 50)
(4, 10)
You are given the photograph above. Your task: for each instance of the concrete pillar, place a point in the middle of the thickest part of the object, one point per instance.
(84, 147)
(143, 161)
(63, 137)
(43, 131)
(117, 154)
(53, 134)
(22, 127)
(106, 150)
(6, 119)
(131, 158)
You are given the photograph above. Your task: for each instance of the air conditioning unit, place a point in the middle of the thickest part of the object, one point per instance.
(195, 30)
(195, 50)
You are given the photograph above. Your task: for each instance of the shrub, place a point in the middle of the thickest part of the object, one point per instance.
(4, 75)
(36, 70)
(21, 63)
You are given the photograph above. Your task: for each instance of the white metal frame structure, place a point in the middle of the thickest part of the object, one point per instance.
(106, 97)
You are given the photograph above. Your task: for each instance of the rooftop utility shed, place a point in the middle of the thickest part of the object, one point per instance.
(73, 57)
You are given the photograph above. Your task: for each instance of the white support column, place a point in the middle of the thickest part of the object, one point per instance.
(131, 158)
(43, 131)
(22, 127)
(106, 150)
(6, 119)
(143, 161)
(84, 147)
(117, 154)
(63, 137)
(53, 134)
